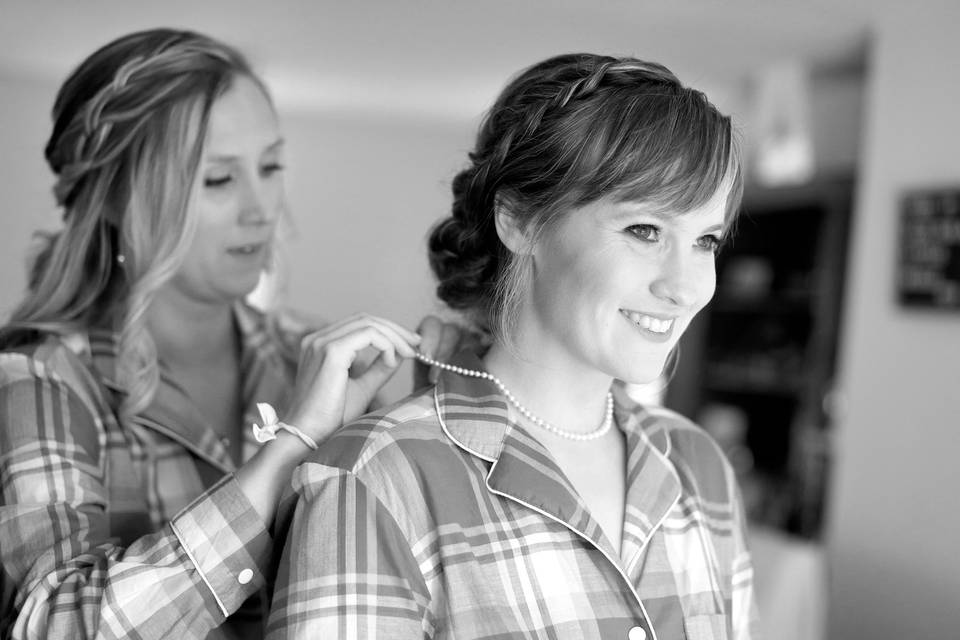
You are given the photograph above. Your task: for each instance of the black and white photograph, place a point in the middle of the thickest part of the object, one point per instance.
(449, 320)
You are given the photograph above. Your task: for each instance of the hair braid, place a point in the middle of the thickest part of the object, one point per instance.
(137, 88)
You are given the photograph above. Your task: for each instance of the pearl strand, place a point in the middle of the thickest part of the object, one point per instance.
(543, 424)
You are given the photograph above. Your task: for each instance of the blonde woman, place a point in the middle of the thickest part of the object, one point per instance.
(135, 501)
(525, 496)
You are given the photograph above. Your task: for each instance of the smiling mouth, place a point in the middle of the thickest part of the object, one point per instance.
(654, 325)
(246, 249)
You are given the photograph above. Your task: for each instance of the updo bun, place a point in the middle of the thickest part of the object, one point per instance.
(464, 250)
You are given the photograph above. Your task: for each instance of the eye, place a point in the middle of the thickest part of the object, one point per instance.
(215, 181)
(270, 169)
(645, 232)
(710, 243)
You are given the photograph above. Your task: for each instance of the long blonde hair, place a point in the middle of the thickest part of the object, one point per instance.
(129, 126)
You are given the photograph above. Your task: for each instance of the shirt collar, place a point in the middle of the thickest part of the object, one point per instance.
(266, 372)
(480, 420)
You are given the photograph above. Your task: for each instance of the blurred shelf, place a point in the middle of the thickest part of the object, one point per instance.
(747, 379)
(775, 306)
(788, 390)
(765, 348)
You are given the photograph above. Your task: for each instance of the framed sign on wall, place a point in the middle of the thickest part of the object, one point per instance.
(929, 266)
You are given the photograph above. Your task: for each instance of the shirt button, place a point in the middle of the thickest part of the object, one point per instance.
(247, 575)
(637, 633)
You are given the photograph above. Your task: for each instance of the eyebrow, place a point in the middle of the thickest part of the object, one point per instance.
(226, 157)
(660, 215)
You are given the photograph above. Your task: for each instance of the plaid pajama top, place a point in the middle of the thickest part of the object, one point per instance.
(135, 529)
(442, 517)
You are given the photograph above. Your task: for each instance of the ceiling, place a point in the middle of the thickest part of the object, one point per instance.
(447, 57)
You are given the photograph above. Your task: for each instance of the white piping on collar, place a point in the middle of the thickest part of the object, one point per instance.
(495, 461)
(443, 425)
(663, 455)
(616, 565)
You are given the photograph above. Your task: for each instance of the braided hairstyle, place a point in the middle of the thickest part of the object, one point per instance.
(127, 140)
(566, 132)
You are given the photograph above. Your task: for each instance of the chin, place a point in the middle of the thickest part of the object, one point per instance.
(233, 291)
(641, 379)
(643, 370)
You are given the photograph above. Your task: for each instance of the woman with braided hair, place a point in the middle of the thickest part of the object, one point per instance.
(135, 500)
(525, 495)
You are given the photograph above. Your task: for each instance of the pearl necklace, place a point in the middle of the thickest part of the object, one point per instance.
(543, 424)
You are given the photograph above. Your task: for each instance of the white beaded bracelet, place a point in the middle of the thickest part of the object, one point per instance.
(271, 424)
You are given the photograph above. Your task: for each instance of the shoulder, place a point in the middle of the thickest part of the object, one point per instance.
(49, 389)
(404, 429)
(54, 358)
(696, 456)
(398, 456)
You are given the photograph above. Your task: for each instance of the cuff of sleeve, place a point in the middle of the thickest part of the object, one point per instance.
(226, 540)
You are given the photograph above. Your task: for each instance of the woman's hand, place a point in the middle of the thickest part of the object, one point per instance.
(333, 386)
(439, 340)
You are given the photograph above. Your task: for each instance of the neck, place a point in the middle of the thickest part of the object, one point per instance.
(188, 331)
(569, 395)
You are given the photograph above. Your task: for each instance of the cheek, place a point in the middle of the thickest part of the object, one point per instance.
(709, 282)
(586, 285)
(706, 280)
(577, 280)
(203, 242)
(195, 262)
(594, 293)
(277, 195)
(207, 242)
(214, 220)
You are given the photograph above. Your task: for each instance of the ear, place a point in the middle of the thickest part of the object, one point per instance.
(510, 229)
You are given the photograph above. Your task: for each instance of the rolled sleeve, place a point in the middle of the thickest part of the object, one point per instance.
(227, 542)
(63, 574)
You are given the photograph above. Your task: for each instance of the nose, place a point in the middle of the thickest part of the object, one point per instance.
(256, 208)
(680, 281)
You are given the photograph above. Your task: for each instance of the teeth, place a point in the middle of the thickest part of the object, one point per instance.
(647, 322)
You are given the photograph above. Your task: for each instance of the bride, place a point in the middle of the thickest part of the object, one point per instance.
(525, 495)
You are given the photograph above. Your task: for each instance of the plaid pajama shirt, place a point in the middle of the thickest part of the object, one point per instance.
(134, 529)
(441, 517)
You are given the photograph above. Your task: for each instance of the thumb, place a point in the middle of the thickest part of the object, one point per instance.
(377, 374)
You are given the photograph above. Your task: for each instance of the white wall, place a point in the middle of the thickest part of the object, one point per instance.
(836, 111)
(26, 199)
(894, 523)
(364, 191)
